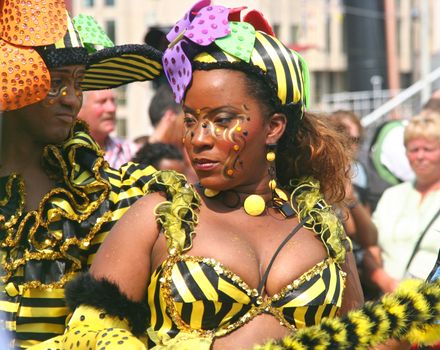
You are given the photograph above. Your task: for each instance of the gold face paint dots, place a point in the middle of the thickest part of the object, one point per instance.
(230, 172)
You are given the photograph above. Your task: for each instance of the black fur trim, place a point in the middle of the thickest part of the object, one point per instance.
(105, 295)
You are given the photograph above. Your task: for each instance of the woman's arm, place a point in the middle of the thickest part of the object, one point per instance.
(359, 223)
(375, 271)
(353, 296)
(124, 257)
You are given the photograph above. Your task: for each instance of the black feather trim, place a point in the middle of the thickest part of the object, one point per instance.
(105, 295)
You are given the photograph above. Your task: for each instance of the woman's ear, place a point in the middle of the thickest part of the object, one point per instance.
(276, 126)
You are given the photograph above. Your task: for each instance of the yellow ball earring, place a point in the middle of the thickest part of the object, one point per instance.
(270, 156)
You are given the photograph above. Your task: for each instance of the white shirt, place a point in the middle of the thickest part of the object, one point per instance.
(400, 218)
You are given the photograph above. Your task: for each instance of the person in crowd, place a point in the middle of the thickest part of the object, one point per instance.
(166, 116)
(348, 122)
(99, 112)
(58, 198)
(407, 215)
(357, 224)
(161, 156)
(387, 163)
(254, 249)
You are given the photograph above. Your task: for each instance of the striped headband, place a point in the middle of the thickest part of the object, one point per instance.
(215, 36)
(36, 35)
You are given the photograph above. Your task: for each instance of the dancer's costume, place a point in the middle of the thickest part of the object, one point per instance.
(191, 301)
(42, 249)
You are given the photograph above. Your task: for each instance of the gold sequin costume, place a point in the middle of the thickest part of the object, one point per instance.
(192, 300)
(41, 249)
(195, 299)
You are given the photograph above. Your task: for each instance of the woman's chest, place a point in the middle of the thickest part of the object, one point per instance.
(250, 249)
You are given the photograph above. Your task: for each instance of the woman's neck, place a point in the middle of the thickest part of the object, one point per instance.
(427, 186)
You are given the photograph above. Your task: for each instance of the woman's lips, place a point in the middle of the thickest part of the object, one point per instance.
(204, 164)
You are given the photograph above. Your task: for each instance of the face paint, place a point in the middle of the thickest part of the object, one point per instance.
(61, 80)
(225, 125)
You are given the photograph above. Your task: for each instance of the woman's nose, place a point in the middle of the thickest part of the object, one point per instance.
(202, 134)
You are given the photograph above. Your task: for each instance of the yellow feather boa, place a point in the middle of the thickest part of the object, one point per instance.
(410, 313)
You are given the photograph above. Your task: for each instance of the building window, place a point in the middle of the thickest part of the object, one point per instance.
(110, 28)
(88, 3)
(294, 30)
(109, 2)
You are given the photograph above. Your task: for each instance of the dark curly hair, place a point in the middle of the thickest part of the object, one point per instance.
(310, 145)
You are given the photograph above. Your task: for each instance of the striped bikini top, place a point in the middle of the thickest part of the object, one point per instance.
(200, 296)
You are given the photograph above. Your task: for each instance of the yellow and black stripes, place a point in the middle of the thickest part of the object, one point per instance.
(201, 296)
(61, 238)
(409, 313)
(317, 298)
(115, 66)
(283, 67)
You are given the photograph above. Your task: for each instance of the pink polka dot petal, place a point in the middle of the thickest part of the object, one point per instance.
(177, 69)
(208, 26)
(186, 20)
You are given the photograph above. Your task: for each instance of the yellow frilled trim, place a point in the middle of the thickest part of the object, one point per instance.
(177, 215)
(48, 233)
(307, 201)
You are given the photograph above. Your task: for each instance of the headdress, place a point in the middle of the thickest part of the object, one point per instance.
(38, 34)
(215, 36)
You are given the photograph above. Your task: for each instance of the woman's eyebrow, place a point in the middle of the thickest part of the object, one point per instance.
(209, 110)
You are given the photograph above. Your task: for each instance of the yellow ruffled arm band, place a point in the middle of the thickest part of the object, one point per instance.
(103, 318)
